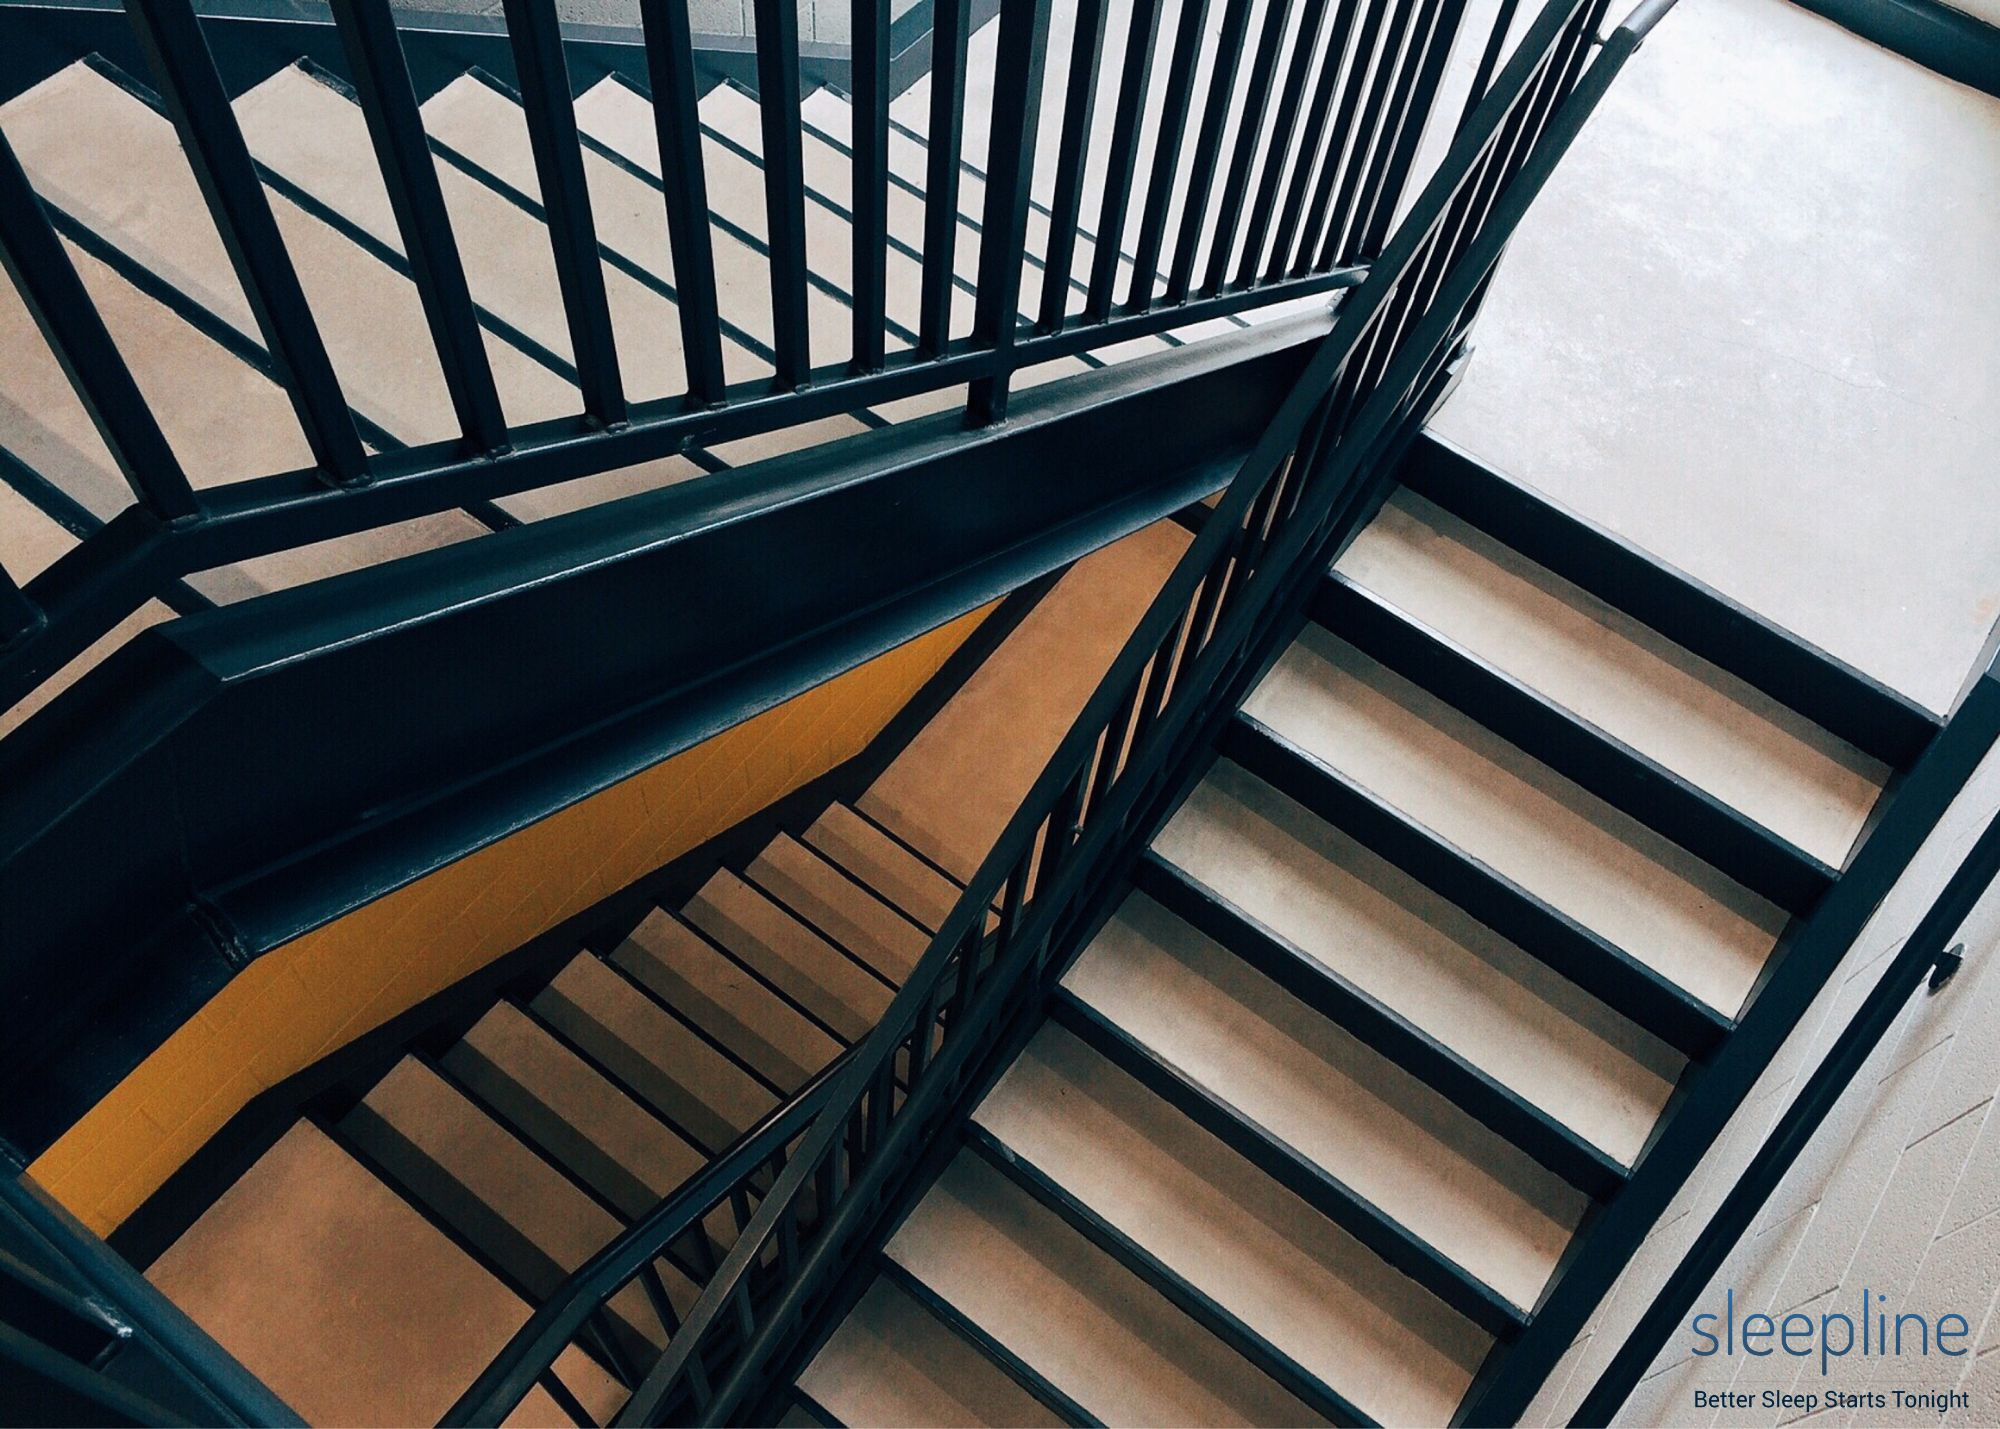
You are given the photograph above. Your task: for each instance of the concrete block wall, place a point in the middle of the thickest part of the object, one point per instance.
(1898, 1195)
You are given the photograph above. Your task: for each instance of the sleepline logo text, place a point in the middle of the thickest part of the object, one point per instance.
(1871, 1331)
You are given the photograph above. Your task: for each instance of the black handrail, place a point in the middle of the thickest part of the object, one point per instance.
(180, 525)
(1925, 954)
(1296, 495)
(530, 1356)
(200, 1370)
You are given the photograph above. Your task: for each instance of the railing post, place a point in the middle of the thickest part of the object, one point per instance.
(536, 38)
(784, 184)
(389, 106)
(950, 21)
(684, 185)
(869, 22)
(1010, 172)
(195, 100)
(1135, 77)
(1086, 58)
(61, 307)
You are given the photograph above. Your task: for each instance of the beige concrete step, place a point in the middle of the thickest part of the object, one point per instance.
(530, 1220)
(689, 974)
(1707, 726)
(625, 1153)
(1368, 923)
(701, 1092)
(1602, 867)
(1306, 1287)
(308, 1267)
(821, 894)
(895, 873)
(953, 788)
(1083, 1322)
(789, 956)
(892, 1363)
(1334, 1101)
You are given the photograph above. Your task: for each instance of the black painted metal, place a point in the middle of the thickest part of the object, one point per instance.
(869, 20)
(1142, 38)
(1923, 956)
(551, 118)
(196, 101)
(1762, 861)
(1236, 185)
(1942, 37)
(389, 104)
(951, 22)
(1208, 147)
(784, 184)
(1086, 58)
(1170, 129)
(1585, 957)
(1017, 105)
(1284, 133)
(62, 310)
(1881, 722)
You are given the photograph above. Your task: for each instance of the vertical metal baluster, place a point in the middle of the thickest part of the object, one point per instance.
(951, 20)
(1336, 126)
(879, 1097)
(615, 1358)
(61, 307)
(185, 75)
(745, 1313)
(1136, 76)
(677, 122)
(1114, 744)
(1171, 130)
(1271, 180)
(869, 20)
(1063, 827)
(536, 39)
(395, 128)
(784, 184)
(920, 1050)
(1489, 59)
(1257, 98)
(657, 1297)
(1208, 146)
(1385, 189)
(19, 616)
(1086, 59)
(1010, 173)
(566, 1400)
(1401, 47)
(788, 1242)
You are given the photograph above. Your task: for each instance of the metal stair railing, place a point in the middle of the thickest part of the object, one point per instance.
(1928, 954)
(1301, 489)
(176, 525)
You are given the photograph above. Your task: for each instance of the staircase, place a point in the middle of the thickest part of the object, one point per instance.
(1398, 998)
(98, 148)
(412, 1218)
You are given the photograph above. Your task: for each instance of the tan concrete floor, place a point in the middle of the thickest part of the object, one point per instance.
(1753, 326)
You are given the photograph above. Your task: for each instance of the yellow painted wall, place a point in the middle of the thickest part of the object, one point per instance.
(301, 1001)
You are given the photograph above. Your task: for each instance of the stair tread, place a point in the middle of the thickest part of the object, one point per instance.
(706, 1095)
(789, 956)
(1405, 1150)
(1367, 922)
(899, 876)
(1265, 1256)
(687, 972)
(1711, 728)
(1102, 1337)
(1594, 863)
(626, 1153)
(308, 1266)
(892, 1363)
(839, 907)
